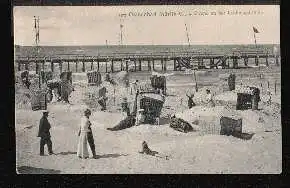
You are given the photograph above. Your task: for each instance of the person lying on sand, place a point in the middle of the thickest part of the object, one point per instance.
(146, 150)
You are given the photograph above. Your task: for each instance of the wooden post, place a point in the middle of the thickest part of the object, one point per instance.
(140, 65)
(267, 62)
(112, 66)
(268, 84)
(199, 62)
(211, 62)
(196, 88)
(36, 66)
(60, 67)
(43, 66)
(135, 64)
(52, 66)
(165, 67)
(106, 66)
(255, 101)
(98, 62)
(149, 65)
(122, 65)
(153, 64)
(19, 66)
(275, 87)
(92, 65)
(127, 67)
(277, 60)
(77, 66)
(246, 60)
(257, 60)
(162, 65)
(114, 96)
(174, 64)
(84, 67)
(68, 68)
(235, 62)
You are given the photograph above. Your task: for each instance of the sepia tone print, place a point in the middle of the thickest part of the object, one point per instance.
(148, 89)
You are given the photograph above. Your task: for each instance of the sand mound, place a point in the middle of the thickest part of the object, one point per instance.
(121, 77)
(208, 119)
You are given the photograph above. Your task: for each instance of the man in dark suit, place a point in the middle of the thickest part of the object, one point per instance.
(44, 134)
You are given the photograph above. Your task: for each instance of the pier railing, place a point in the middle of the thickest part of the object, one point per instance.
(142, 55)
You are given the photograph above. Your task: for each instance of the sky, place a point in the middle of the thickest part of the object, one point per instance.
(93, 25)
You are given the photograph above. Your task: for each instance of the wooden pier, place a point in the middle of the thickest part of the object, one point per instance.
(181, 60)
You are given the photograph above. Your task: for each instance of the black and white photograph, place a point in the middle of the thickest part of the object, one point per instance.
(147, 89)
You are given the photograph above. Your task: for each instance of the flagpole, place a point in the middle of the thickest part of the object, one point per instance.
(255, 39)
(256, 51)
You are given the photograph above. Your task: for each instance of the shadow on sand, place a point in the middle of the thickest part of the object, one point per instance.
(164, 120)
(67, 153)
(113, 155)
(33, 170)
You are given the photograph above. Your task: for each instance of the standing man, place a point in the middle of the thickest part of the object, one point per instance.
(190, 102)
(86, 120)
(44, 134)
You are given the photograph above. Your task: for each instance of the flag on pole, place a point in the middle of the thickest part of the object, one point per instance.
(255, 30)
(34, 22)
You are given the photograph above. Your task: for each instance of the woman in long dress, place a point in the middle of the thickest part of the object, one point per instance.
(83, 139)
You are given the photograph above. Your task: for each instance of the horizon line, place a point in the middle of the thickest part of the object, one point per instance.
(146, 45)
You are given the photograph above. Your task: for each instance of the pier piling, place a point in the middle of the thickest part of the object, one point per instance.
(68, 67)
(60, 67)
(84, 67)
(246, 60)
(257, 60)
(127, 67)
(112, 66)
(140, 65)
(52, 66)
(92, 65)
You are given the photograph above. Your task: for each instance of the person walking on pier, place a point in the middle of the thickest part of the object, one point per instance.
(86, 135)
(44, 134)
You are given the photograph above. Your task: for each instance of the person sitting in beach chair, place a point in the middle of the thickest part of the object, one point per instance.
(140, 117)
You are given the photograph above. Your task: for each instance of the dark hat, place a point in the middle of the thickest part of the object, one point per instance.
(45, 111)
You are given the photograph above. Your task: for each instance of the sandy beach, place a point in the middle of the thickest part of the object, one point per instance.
(202, 151)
